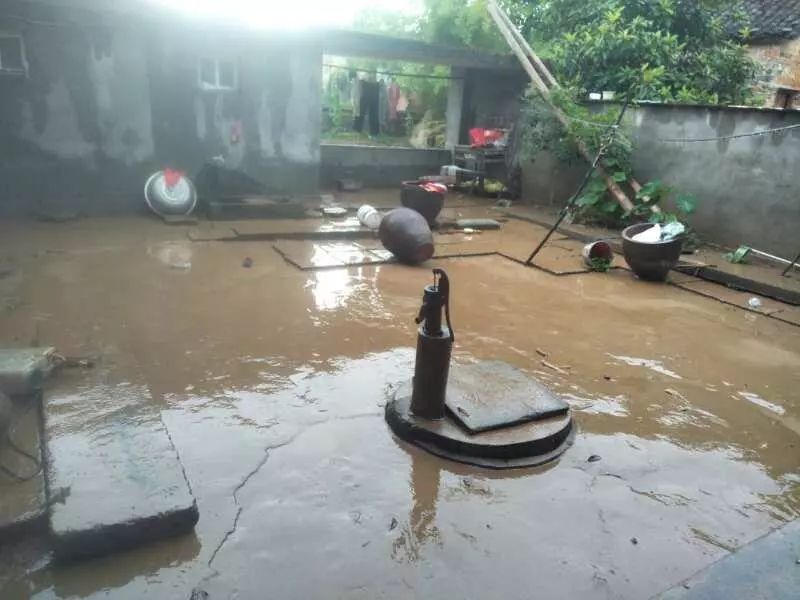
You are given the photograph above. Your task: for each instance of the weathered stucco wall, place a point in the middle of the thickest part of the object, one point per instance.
(748, 189)
(268, 127)
(109, 99)
(379, 166)
(78, 125)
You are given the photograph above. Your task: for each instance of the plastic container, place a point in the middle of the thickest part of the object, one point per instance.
(369, 217)
(598, 249)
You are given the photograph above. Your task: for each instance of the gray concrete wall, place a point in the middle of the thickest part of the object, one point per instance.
(379, 166)
(109, 99)
(748, 189)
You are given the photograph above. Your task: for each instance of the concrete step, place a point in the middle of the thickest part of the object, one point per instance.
(22, 503)
(114, 477)
(255, 208)
(766, 569)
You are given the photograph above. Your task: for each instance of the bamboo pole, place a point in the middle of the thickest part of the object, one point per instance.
(619, 194)
(545, 73)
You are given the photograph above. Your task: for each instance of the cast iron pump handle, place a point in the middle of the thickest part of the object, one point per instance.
(434, 298)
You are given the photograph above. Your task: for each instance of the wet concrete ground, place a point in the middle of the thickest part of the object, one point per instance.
(271, 381)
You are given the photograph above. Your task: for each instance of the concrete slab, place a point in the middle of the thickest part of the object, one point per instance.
(767, 569)
(22, 503)
(492, 394)
(768, 307)
(320, 255)
(308, 255)
(115, 470)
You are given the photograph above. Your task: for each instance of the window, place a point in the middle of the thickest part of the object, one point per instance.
(12, 55)
(216, 74)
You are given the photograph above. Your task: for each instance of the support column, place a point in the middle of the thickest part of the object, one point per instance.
(455, 104)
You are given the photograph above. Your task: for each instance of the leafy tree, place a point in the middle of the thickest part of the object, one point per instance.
(669, 50)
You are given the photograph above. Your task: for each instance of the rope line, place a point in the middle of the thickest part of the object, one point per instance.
(735, 136)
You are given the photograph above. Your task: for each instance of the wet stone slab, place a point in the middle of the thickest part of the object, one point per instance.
(492, 394)
(768, 569)
(114, 477)
(22, 489)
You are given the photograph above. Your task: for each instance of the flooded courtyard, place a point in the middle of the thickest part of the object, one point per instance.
(271, 382)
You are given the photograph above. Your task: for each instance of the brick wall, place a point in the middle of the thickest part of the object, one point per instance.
(780, 65)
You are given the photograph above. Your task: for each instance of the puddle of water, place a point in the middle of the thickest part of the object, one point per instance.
(241, 361)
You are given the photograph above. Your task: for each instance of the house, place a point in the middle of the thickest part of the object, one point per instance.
(95, 96)
(774, 43)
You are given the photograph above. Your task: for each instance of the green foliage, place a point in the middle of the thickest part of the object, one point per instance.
(542, 131)
(599, 264)
(669, 50)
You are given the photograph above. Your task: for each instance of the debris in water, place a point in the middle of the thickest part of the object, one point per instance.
(555, 368)
(334, 211)
(73, 362)
(594, 458)
(754, 302)
(393, 525)
(634, 541)
(247, 262)
(541, 352)
(674, 393)
(463, 411)
(365, 544)
(608, 378)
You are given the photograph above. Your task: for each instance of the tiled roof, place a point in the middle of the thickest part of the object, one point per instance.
(773, 19)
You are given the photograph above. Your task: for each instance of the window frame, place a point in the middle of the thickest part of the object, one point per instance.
(217, 85)
(21, 71)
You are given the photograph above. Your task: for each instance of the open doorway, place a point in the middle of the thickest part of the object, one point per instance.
(384, 103)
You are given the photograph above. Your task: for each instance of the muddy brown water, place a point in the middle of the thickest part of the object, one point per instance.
(272, 382)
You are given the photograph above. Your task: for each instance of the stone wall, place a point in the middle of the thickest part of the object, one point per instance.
(379, 166)
(748, 188)
(779, 64)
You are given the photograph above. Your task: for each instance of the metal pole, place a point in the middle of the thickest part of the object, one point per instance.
(611, 131)
(790, 265)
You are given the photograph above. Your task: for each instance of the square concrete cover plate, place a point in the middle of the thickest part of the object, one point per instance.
(491, 395)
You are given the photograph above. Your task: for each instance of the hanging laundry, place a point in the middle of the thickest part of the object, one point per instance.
(383, 106)
(368, 107)
(355, 92)
(393, 92)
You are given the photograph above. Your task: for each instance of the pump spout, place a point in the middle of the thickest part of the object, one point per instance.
(434, 347)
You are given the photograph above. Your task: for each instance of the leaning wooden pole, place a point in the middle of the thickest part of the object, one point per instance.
(526, 59)
(542, 69)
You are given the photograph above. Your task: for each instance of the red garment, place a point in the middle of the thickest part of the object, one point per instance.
(485, 137)
(393, 93)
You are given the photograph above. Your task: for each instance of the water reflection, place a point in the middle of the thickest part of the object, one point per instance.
(331, 288)
(421, 528)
